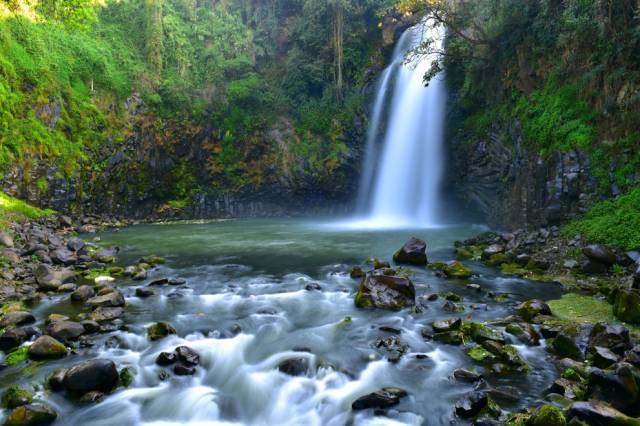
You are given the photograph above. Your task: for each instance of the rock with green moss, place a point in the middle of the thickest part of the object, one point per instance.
(46, 347)
(470, 252)
(547, 415)
(356, 272)
(18, 356)
(386, 292)
(506, 356)
(15, 396)
(524, 332)
(31, 415)
(532, 308)
(453, 269)
(498, 259)
(599, 413)
(480, 354)
(572, 341)
(627, 305)
(449, 337)
(480, 332)
(440, 326)
(160, 330)
(152, 260)
(126, 377)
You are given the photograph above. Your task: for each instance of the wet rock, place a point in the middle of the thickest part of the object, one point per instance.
(356, 272)
(603, 357)
(294, 366)
(453, 269)
(384, 398)
(139, 274)
(492, 250)
(412, 252)
(75, 244)
(449, 337)
(187, 355)
(471, 404)
(611, 336)
(90, 326)
(531, 308)
(450, 306)
(14, 337)
(547, 415)
(62, 256)
(46, 347)
(103, 314)
(16, 318)
(177, 281)
(592, 267)
(386, 292)
(524, 332)
(627, 305)
(166, 358)
(82, 293)
(451, 324)
(599, 253)
(480, 333)
(95, 375)
(143, 292)
(92, 397)
(619, 387)
(567, 388)
(313, 287)
(632, 356)
(15, 396)
(572, 341)
(596, 413)
(31, 415)
(160, 330)
(111, 300)
(49, 279)
(65, 331)
(475, 287)
(466, 375)
(159, 282)
(183, 370)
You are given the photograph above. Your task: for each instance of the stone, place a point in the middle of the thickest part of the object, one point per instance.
(62, 256)
(183, 370)
(110, 300)
(90, 326)
(592, 267)
(524, 332)
(65, 331)
(75, 244)
(572, 341)
(15, 396)
(611, 336)
(599, 253)
(603, 357)
(491, 250)
(92, 397)
(356, 272)
(313, 287)
(596, 413)
(6, 240)
(449, 337)
(627, 305)
(383, 398)
(46, 347)
(632, 356)
(159, 281)
(386, 292)
(187, 355)
(412, 252)
(455, 269)
(567, 388)
(480, 333)
(160, 330)
(451, 324)
(95, 375)
(294, 366)
(547, 415)
(31, 415)
(82, 294)
(531, 308)
(102, 314)
(466, 375)
(14, 337)
(166, 358)
(143, 292)
(471, 404)
(16, 318)
(619, 387)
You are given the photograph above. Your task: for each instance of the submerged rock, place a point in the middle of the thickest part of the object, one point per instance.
(412, 252)
(95, 375)
(294, 366)
(386, 292)
(15, 396)
(31, 415)
(384, 398)
(160, 330)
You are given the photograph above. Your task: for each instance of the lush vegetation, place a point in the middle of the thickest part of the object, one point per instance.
(229, 72)
(12, 209)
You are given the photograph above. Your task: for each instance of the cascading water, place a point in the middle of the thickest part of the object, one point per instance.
(401, 183)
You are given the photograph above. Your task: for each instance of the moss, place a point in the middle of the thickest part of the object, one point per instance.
(513, 269)
(470, 252)
(13, 209)
(547, 415)
(15, 396)
(480, 354)
(126, 377)
(160, 330)
(498, 259)
(580, 308)
(153, 260)
(453, 269)
(18, 356)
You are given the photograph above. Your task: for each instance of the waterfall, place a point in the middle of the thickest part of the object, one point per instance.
(401, 179)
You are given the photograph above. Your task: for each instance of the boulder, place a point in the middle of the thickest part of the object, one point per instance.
(294, 366)
(102, 314)
(6, 240)
(596, 413)
(65, 331)
(531, 308)
(166, 358)
(464, 375)
(602, 357)
(160, 330)
(572, 341)
(384, 398)
(31, 415)
(46, 347)
(110, 300)
(599, 253)
(451, 324)
(15, 396)
(82, 293)
(547, 415)
(143, 292)
(356, 272)
(525, 332)
(14, 337)
(632, 356)
(49, 279)
(611, 336)
(619, 387)
(471, 404)
(627, 305)
(75, 244)
(187, 355)
(491, 250)
(412, 252)
(386, 292)
(15, 318)
(62, 256)
(183, 370)
(95, 375)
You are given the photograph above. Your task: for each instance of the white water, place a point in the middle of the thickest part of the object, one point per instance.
(401, 184)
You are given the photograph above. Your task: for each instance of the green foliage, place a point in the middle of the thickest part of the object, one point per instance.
(614, 222)
(12, 209)
(18, 356)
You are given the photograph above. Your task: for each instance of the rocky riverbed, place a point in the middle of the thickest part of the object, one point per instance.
(79, 341)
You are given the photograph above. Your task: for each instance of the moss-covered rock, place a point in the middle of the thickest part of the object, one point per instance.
(126, 377)
(386, 292)
(470, 252)
(16, 396)
(480, 354)
(498, 259)
(571, 341)
(152, 260)
(46, 347)
(449, 337)
(18, 356)
(531, 308)
(480, 332)
(31, 415)
(356, 272)
(627, 305)
(547, 415)
(160, 330)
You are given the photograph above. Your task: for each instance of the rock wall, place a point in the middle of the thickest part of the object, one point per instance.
(512, 187)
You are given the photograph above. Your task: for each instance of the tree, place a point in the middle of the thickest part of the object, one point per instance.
(153, 37)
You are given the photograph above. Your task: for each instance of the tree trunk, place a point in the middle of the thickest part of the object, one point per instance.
(153, 39)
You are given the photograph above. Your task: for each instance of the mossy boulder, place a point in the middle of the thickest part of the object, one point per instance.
(470, 252)
(524, 332)
(152, 260)
(385, 292)
(627, 305)
(356, 272)
(453, 269)
(46, 347)
(571, 341)
(547, 415)
(17, 356)
(498, 259)
(31, 415)
(412, 252)
(15, 396)
(126, 377)
(449, 337)
(481, 333)
(480, 354)
(532, 308)
(160, 330)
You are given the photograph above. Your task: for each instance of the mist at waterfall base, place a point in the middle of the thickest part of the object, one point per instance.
(401, 178)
